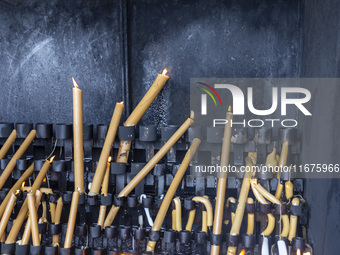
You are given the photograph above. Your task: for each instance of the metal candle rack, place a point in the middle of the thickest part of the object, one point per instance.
(129, 232)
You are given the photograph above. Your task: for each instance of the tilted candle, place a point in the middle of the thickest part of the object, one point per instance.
(222, 181)
(71, 219)
(105, 187)
(9, 141)
(11, 164)
(33, 218)
(78, 138)
(109, 140)
(7, 213)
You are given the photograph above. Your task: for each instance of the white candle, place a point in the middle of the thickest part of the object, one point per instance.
(282, 247)
(265, 246)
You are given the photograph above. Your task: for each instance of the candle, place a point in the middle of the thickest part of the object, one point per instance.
(33, 218)
(57, 216)
(191, 219)
(11, 164)
(15, 187)
(265, 246)
(235, 229)
(270, 225)
(138, 112)
(7, 213)
(12, 237)
(174, 220)
(266, 194)
(78, 138)
(178, 207)
(251, 219)
(293, 220)
(282, 247)
(71, 219)
(281, 162)
(27, 232)
(172, 190)
(289, 189)
(285, 225)
(109, 140)
(9, 141)
(105, 187)
(148, 167)
(209, 211)
(222, 181)
(257, 194)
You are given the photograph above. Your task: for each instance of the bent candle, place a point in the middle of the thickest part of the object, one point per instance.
(109, 140)
(78, 138)
(11, 164)
(138, 112)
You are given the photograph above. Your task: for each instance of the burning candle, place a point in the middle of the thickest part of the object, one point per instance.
(78, 138)
(11, 164)
(235, 229)
(222, 181)
(138, 112)
(7, 213)
(9, 141)
(109, 140)
(172, 190)
(15, 187)
(12, 237)
(33, 218)
(71, 219)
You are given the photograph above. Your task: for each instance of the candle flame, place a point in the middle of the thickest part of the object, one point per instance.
(306, 253)
(22, 185)
(74, 83)
(17, 192)
(253, 181)
(109, 159)
(164, 71)
(44, 180)
(122, 102)
(298, 252)
(243, 252)
(192, 114)
(51, 159)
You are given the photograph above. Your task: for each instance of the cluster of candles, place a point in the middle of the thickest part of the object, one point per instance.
(212, 222)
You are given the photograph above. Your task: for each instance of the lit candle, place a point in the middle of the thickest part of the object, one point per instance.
(7, 213)
(71, 220)
(138, 112)
(9, 141)
(33, 218)
(235, 229)
(11, 164)
(105, 187)
(16, 187)
(222, 181)
(12, 237)
(78, 138)
(172, 190)
(148, 167)
(109, 140)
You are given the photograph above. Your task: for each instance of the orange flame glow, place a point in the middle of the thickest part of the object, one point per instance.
(242, 252)
(164, 71)
(298, 252)
(74, 83)
(51, 159)
(22, 185)
(17, 192)
(44, 179)
(306, 253)
(122, 102)
(109, 159)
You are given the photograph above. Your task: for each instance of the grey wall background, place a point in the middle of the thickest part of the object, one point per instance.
(116, 48)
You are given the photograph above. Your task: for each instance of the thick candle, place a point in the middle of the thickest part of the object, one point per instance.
(109, 140)
(138, 112)
(33, 219)
(15, 187)
(11, 164)
(71, 219)
(9, 141)
(222, 181)
(78, 138)
(12, 237)
(7, 213)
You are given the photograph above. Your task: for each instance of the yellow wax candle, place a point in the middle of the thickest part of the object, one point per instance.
(71, 219)
(78, 138)
(148, 167)
(15, 187)
(109, 140)
(11, 164)
(235, 229)
(178, 213)
(172, 190)
(293, 220)
(7, 213)
(105, 187)
(205, 201)
(267, 194)
(270, 225)
(222, 182)
(12, 237)
(33, 219)
(251, 219)
(57, 216)
(10, 140)
(138, 112)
